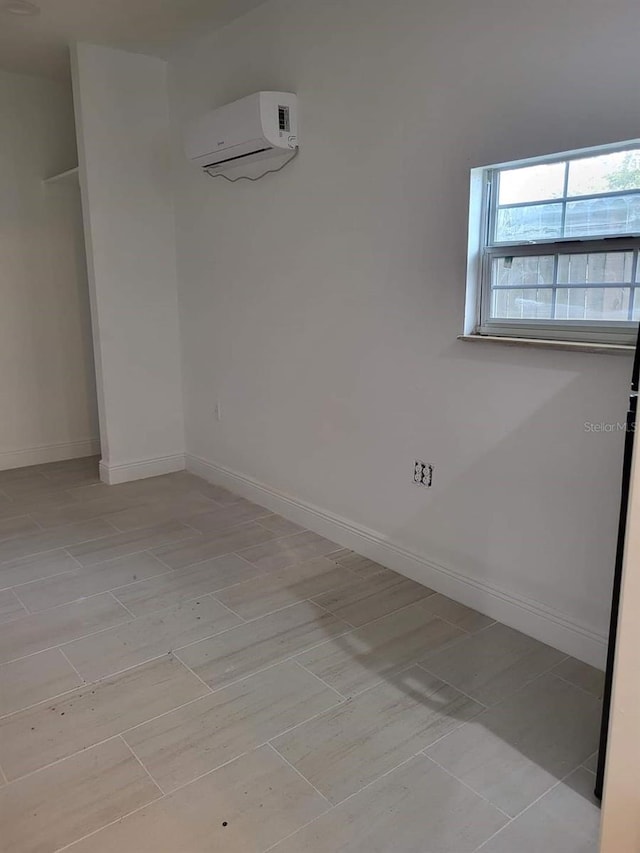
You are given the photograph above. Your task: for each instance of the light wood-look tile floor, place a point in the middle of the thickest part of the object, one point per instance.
(182, 671)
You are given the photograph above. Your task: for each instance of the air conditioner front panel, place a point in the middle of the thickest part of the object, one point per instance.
(229, 125)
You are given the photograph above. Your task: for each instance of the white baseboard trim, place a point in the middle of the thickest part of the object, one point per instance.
(114, 474)
(48, 453)
(530, 617)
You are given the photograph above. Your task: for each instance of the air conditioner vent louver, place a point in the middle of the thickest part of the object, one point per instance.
(237, 157)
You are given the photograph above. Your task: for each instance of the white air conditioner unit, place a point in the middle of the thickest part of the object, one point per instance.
(237, 138)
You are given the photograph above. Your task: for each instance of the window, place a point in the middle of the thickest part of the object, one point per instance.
(554, 246)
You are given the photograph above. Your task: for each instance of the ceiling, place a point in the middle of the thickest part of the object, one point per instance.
(39, 45)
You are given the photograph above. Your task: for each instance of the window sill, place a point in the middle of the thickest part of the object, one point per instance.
(540, 343)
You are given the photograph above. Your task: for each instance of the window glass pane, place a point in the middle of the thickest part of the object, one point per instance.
(603, 216)
(519, 304)
(522, 304)
(532, 222)
(605, 173)
(636, 304)
(532, 270)
(596, 267)
(532, 183)
(592, 303)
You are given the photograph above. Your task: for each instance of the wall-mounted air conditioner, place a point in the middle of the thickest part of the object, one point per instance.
(236, 137)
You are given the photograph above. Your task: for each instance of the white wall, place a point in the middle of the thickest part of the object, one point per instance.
(321, 306)
(123, 136)
(47, 383)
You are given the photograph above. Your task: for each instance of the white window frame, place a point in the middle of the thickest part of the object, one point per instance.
(481, 252)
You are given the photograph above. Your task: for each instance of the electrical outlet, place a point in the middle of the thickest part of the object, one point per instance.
(422, 473)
